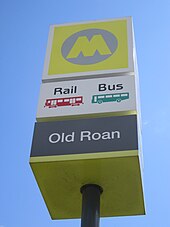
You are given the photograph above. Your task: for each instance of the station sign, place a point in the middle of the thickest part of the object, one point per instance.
(88, 120)
(87, 97)
(88, 49)
(107, 134)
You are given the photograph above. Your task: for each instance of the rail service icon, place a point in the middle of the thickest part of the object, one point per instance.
(92, 48)
(68, 101)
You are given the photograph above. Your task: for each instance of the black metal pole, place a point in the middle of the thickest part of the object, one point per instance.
(90, 216)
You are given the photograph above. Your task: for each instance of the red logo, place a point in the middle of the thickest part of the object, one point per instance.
(70, 101)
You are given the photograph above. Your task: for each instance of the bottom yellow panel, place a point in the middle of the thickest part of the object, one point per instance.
(60, 182)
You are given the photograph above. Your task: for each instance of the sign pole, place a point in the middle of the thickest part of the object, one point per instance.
(90, 216)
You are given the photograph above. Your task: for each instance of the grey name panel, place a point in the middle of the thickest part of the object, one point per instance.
(118, 133)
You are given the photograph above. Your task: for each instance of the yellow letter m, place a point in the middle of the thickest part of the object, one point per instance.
(88, 48)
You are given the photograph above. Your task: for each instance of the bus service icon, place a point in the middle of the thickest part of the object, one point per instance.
(69, 101)
(116, 97)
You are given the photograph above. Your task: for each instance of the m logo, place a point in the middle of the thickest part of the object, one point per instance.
(92, 48)
(89, 46)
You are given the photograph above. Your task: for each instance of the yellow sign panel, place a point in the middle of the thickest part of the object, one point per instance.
(60, 179)
(89, 48)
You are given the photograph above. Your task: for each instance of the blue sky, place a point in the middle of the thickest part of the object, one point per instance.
(23, 38)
